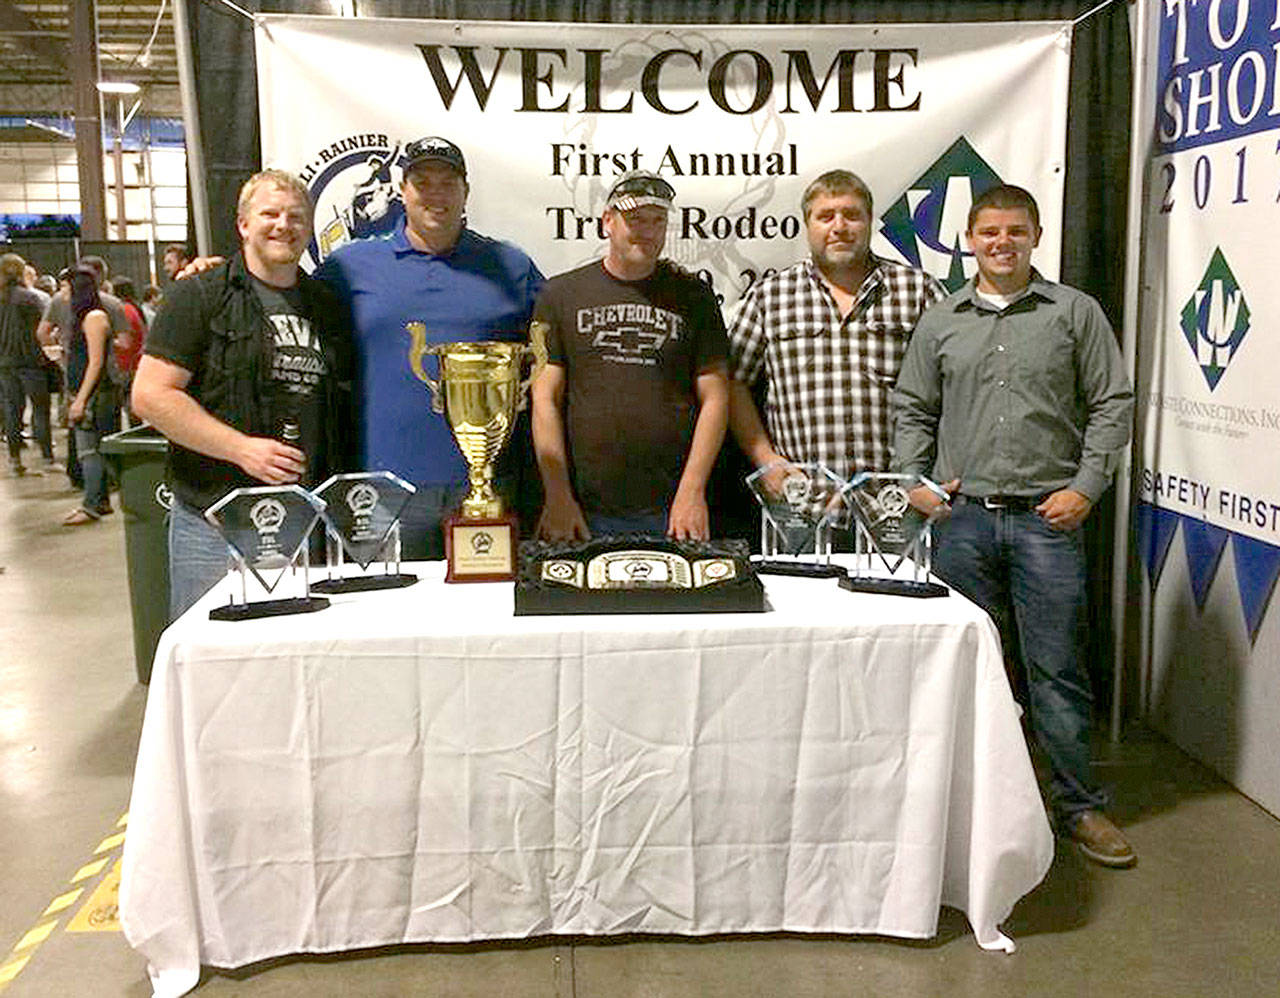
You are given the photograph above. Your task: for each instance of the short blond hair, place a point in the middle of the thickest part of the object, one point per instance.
(282, 179)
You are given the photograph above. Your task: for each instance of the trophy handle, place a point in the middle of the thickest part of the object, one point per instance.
(537, 349)
(417, 350)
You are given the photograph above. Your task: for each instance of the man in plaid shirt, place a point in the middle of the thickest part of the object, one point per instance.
(829, 333)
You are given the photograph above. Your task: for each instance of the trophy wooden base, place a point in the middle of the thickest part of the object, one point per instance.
(481, 550)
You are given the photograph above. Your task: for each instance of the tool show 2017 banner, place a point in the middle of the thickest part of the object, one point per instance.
(739, 119)
(1208, 452)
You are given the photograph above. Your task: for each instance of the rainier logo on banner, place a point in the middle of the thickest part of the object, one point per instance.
(1215, 319)
(927, 224)
(355, 191)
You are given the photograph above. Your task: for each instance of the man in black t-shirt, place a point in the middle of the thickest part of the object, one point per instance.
(241, 359)
(630, 412)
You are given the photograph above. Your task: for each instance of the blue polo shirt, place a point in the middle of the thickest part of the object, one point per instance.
(482, 289)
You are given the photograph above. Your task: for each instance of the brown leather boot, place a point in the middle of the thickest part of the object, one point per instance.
(1100, 840)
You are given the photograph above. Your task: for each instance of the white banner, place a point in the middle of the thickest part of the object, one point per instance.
(738, 118)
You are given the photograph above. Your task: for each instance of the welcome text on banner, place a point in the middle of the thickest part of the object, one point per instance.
(738, 118)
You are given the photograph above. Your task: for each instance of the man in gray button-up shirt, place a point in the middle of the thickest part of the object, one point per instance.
(1013, 393)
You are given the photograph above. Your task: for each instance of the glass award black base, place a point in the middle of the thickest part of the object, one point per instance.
(800, 569)
(893, 587)
(363, 583)
(268, 608)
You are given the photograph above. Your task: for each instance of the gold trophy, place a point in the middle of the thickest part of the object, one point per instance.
(480, 390)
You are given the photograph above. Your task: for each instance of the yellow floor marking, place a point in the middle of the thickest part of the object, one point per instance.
(101, 912)
(10, 970)
(63, 901)
(109, 843)
(90, 870)
(36, 936)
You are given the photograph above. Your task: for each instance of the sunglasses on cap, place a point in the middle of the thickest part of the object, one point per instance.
(635, 192)
(434, 149)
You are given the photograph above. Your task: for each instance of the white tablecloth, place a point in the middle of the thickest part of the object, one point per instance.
(420, 765)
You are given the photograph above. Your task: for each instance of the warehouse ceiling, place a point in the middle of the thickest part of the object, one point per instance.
(135, 44)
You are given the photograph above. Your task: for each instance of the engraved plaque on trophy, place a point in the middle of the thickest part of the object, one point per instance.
(479, 390)
(800, 504)
(362, 523)
(267, 528)
(889, 532)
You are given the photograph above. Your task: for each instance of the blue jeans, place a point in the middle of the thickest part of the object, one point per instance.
(92, 468)
(17, 384)
(198, 557)
(1020, 570)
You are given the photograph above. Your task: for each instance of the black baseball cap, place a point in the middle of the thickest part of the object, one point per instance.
(639, 188)
(434, 148)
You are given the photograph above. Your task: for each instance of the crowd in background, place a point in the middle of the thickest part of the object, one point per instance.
(69, 346)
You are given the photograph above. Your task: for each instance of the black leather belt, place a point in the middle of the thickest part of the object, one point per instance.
(1013, 504)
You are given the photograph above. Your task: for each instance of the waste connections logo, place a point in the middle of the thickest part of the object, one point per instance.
(926, 226)
(1215, 319)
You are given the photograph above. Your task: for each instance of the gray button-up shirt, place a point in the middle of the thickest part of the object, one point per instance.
(1021, 401)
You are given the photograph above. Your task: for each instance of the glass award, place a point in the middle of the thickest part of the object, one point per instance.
(890, 531)
(799, 506)
(362, 524)
(267, 529)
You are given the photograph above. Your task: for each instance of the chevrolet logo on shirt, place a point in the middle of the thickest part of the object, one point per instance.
(629, 340)
(629, 329)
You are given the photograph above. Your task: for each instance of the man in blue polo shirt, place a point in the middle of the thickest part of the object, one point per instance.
(462, 286)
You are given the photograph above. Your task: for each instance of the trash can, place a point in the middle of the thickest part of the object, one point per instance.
(138, 456)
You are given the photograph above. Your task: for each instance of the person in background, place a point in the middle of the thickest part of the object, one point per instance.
(54, 342)
(151, 299)
(128, 350)
(56, 326)
(31, 278)
(93, 404)
(23, 374)
(175, 258)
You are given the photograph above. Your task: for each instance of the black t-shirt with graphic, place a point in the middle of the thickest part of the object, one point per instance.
(632, 351)
(297, 367)
(182, 336)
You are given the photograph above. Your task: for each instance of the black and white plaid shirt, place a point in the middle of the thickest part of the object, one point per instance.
(827, 380)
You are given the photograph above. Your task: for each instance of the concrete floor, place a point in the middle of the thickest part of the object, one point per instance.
(1199, 915)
